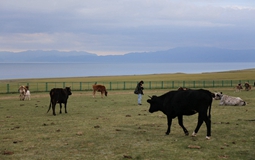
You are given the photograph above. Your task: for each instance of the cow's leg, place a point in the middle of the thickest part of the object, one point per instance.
(65, 108)
(53, 108)
(94, 92)
(208, 126)
(169, 123)
(60, 105)
(22, 96)
(102, 94)
(199, 123)
(180, 121)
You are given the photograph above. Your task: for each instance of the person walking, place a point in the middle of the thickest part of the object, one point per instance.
(139, 92)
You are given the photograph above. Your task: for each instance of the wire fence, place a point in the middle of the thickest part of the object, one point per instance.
(126, 85)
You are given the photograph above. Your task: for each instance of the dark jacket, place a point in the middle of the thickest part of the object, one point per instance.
(139, 88)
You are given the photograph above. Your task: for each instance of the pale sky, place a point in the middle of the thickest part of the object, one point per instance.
(108, 27)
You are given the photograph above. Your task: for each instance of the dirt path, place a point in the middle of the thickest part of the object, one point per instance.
(79, 93)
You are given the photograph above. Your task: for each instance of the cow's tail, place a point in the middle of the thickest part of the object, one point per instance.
(210, 106)
(209, 113)
(49, 107)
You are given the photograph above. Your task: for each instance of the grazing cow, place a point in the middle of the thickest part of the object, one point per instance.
(178, 103)
(226, 100)
(247, 86)
(239, 87)
(99, 88)
(59, 95)
(22, 90)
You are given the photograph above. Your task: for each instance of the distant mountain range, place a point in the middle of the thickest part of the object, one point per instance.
(176, 55)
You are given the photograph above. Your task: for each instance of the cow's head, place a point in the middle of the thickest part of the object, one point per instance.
(155, 104)
(242, 103)
(68, 89)
(218, 95)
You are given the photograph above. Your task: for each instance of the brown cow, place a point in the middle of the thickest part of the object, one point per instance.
(247, 86)
(99, 88)
(239, 87)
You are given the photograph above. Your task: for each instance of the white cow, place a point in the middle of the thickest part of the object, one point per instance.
(226, 100)
(27, 95)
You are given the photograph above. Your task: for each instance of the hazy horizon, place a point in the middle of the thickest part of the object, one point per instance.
(118, 27)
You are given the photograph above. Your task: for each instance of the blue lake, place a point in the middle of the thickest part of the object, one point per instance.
(52, 70)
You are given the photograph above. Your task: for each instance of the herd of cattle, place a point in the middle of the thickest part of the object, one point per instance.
(247, 86)
(183, 101)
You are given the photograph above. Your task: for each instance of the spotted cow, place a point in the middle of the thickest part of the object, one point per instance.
(226, 100)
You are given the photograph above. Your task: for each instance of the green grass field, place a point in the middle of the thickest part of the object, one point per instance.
(115, 127)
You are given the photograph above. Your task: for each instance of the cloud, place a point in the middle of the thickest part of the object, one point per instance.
(120, 26)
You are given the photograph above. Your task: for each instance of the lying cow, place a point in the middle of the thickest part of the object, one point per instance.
(99, 88)
(59, 95)
(178, 103)
(247, 86)
(239, 87)
(226, 100)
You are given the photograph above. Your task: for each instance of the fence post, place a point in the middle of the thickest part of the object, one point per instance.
(203, 84)
(64, 84)
(150, 85)
(124, 85)
(80, 86)
(162, 84)
(46, 86)
(8, 88)
(110, 85)
(172, 84)
(183, 83)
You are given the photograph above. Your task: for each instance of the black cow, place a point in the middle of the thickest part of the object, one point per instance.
(178, 103)
(59, 95)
